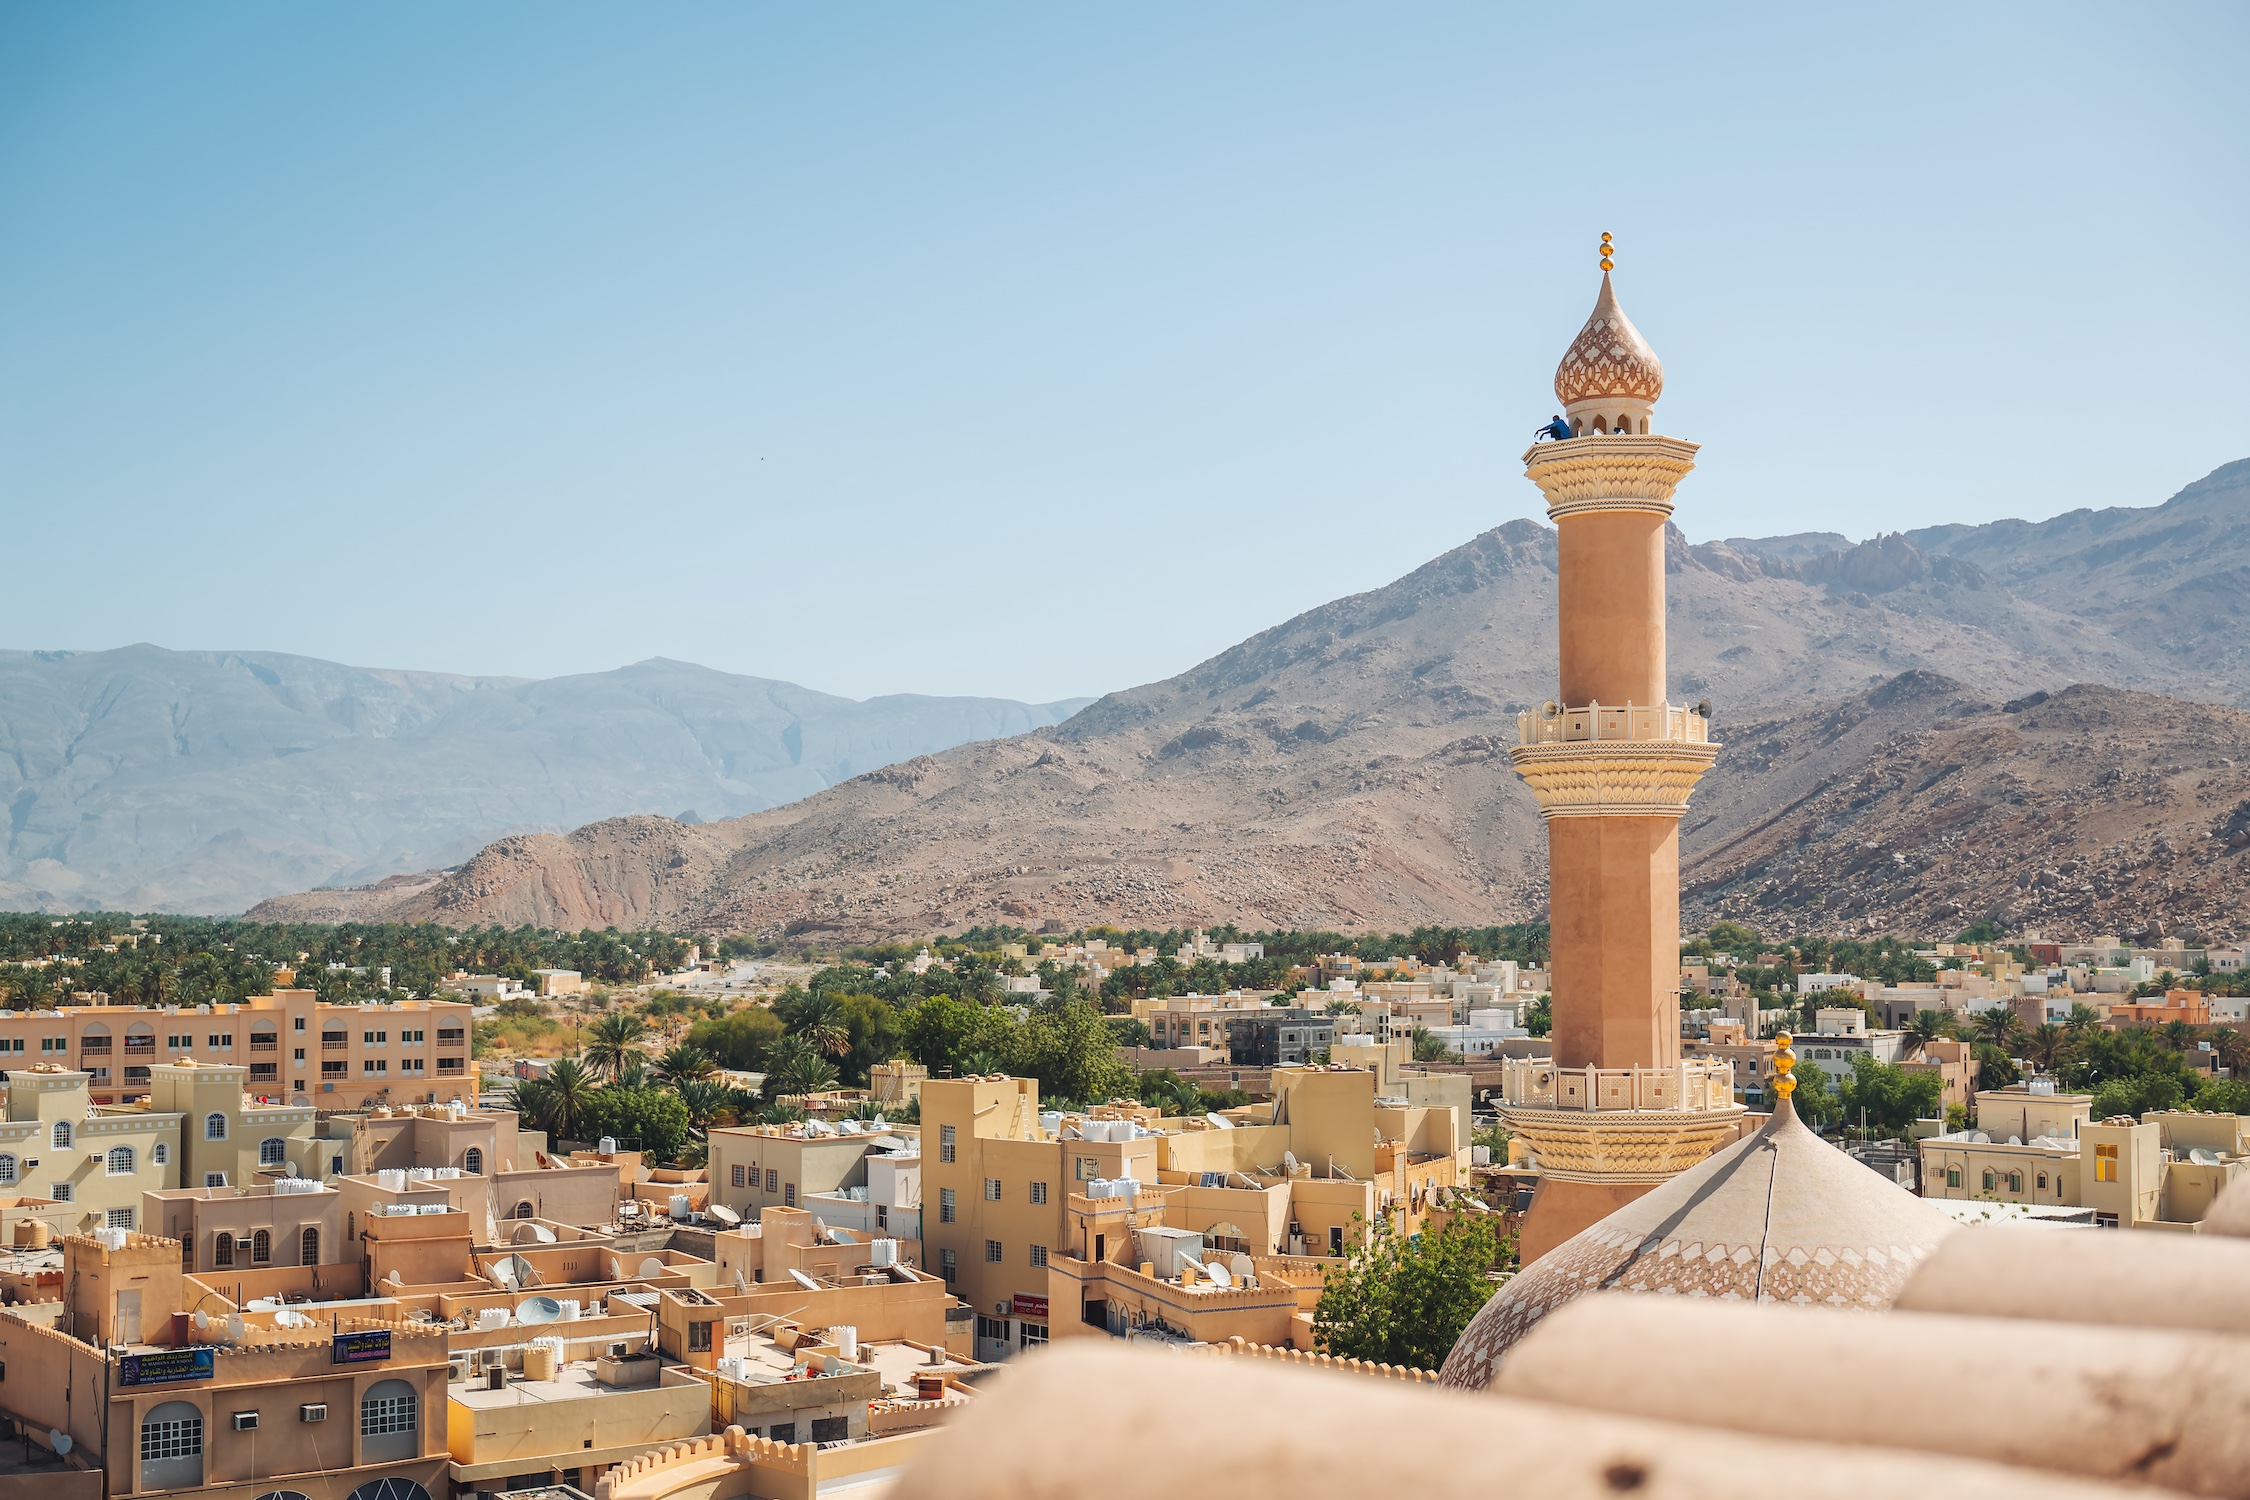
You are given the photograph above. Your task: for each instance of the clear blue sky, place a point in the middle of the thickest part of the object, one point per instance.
(1045, 350)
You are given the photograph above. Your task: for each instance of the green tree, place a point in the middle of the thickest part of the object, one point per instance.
(1926, 1027)
(557, 1103)
(1815, 1103)
(1892, 1097)
(610, 1040)
(741, 1039)
(796, 1067)
(1404, 1301)
(1430, 1047)
(686, 1063)
(1066, 1045)
(1540, 1019)
(641, 1119)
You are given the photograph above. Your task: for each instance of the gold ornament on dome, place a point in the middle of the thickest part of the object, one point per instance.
(1609, 358)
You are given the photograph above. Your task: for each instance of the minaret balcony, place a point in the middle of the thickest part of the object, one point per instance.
(1595, 723)
(1607, 472)
(1618, 1126)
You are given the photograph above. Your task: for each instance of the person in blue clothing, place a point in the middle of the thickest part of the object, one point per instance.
(1558, 429)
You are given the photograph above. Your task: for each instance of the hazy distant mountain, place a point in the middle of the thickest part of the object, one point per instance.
(202, 781)
(1349, 769)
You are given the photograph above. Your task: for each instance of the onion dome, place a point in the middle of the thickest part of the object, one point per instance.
(1780, 1216)
(1609, 358)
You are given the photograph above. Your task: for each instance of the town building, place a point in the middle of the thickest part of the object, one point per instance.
(756, 1167)
(1278, 1036)
(291, 1047)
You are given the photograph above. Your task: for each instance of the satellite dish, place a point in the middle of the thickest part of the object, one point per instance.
(843, 1236)
(804, 1281)
(292, 1166)
(202, 1322)
(616, 1269)
(504, 1272)
(818, 1229)
(1220, 1276)
(59, 1440)
(725, 1215)
(535, 1310)
(741, 1287)
(234, 1327)
(1242, 1267)
(287, 1318)
(653, 1267)
(521, 1272)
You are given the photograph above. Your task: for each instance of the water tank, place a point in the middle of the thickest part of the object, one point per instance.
(391, 1179)
(883, 1254)
(847, 1342)
(680, 1205)
(607, 1145)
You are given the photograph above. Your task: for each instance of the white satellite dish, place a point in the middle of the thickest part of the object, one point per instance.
(524, 1273)
(616, 1269)
(287, 1318)
(504, 1273)
(741, 1287)
(536, 1310)
(1242, 1267)
(725, 1215)
(818, 1228)
(58, 1440)
(804, 1281)
(234, 1327)
(202, 1322)
(292, 1166)
(653, 1267)
(533, 1234)
(842, 1236)
(1220, 1276)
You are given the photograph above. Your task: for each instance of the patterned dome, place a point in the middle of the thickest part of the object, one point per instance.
(1609, 358)
(1779, 1217)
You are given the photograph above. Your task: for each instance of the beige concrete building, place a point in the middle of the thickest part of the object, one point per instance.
(753, 1168)
(291, 1047)
(56, 1145)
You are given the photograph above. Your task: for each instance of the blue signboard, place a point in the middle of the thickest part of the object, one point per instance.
(163, 1366)
(359, 1348)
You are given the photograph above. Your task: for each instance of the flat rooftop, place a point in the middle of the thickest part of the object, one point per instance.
(573, 1382)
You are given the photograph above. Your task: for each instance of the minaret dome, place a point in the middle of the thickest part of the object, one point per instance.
(1610, 379)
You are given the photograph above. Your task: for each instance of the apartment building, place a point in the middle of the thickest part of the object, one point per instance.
(291, 1047)
(756, 1167)
(56, 1146)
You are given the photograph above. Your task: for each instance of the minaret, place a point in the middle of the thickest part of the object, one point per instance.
(1612, 761)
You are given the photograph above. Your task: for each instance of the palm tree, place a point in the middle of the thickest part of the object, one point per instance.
(556, 1103)
(821, 1023)
(1996, 1025)
(2231, 1048)
(706, 1101)
(2179, 1035)
(2046, 1045)
(1926, 1027)
(796, 1067)
(612, 1039)
(632, 1072)
(685, 1064)
(2083, 1018)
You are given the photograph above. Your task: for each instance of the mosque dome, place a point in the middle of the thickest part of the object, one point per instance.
(1780, 1216)
(1609, 360)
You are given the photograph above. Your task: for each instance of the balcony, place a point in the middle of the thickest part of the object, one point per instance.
(139, 1044)
(94, 1046)
(264, 1044)
(1660, 723)
(334, 1043)
(1536, 1083)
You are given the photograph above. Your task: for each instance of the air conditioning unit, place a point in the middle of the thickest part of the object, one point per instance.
(496, 1378)
(245, 1421)
(314, 1412)
(457, 1371)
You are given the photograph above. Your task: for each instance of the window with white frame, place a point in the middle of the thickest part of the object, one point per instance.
(119, 1162)
(1038, 1256)
(945, 1142)
(119, 1218)
(947, 1211)
(7, 1168)
(398, 1412)
(992, 1252)
(992, 1190)
(272, 1151)
(214, 1126)
(214, 1179)
(60, 1136)
(1039, 1192)
(161, 1153)
(60, 1192)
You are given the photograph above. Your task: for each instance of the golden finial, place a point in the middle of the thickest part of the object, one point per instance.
(1607, 251)
(1783, 1061)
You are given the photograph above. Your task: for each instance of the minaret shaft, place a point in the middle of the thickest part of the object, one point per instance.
(1612, 607)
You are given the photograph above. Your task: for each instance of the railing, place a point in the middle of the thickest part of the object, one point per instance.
(93, 1046)
(264, 1045)
(135, 1044)
(1661, 723)
(337, 1044)
(1535, 1083)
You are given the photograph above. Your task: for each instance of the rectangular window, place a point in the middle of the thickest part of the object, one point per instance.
(1033, 1333)
(789, 1195)
(336, 1069)
(167, 1440)
(992, 1330)
(882, 1216)
(1038, 1256)
(1088, 1169)
(214, 1179)
(738, 1174)
(946, 1268)
(773, 1180)
(992, 1252)
(372, 1065)
(2105, 1164)
(222, 1040)
(831, 1429)
(261, 1072)
(383, 1414)
(1039, 1192)
(698, 1336)
(945, 1143)
(300, 1054)
(992, 1190)
(946, 1209)
(60, 1192)
(1952, 1176)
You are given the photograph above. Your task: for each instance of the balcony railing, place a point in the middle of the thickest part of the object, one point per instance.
(264, 1044)
(135, 1044)
(1660, 723)
(1536, 1083)
(93, 1046)
(334, 1044)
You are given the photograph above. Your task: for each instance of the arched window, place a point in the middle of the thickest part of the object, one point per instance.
(2015, 1182)
(271, 1151)
(62, 1135)
(390, 1422)
(2042, 1182)
(222, 1250)
(172, 1447)
(7, 1168)
(1990, 1181)
(120, 1161)
(524, 1210)
(308, 1248)
(390, 1488)
(261, 1248)
(472, 1162)
(214, 1126)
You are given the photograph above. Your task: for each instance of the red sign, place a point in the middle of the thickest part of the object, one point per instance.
(1030, 1307)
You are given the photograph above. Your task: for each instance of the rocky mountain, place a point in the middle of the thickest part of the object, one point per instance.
(1349, 768)
(202, 781)
(1922, 807)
